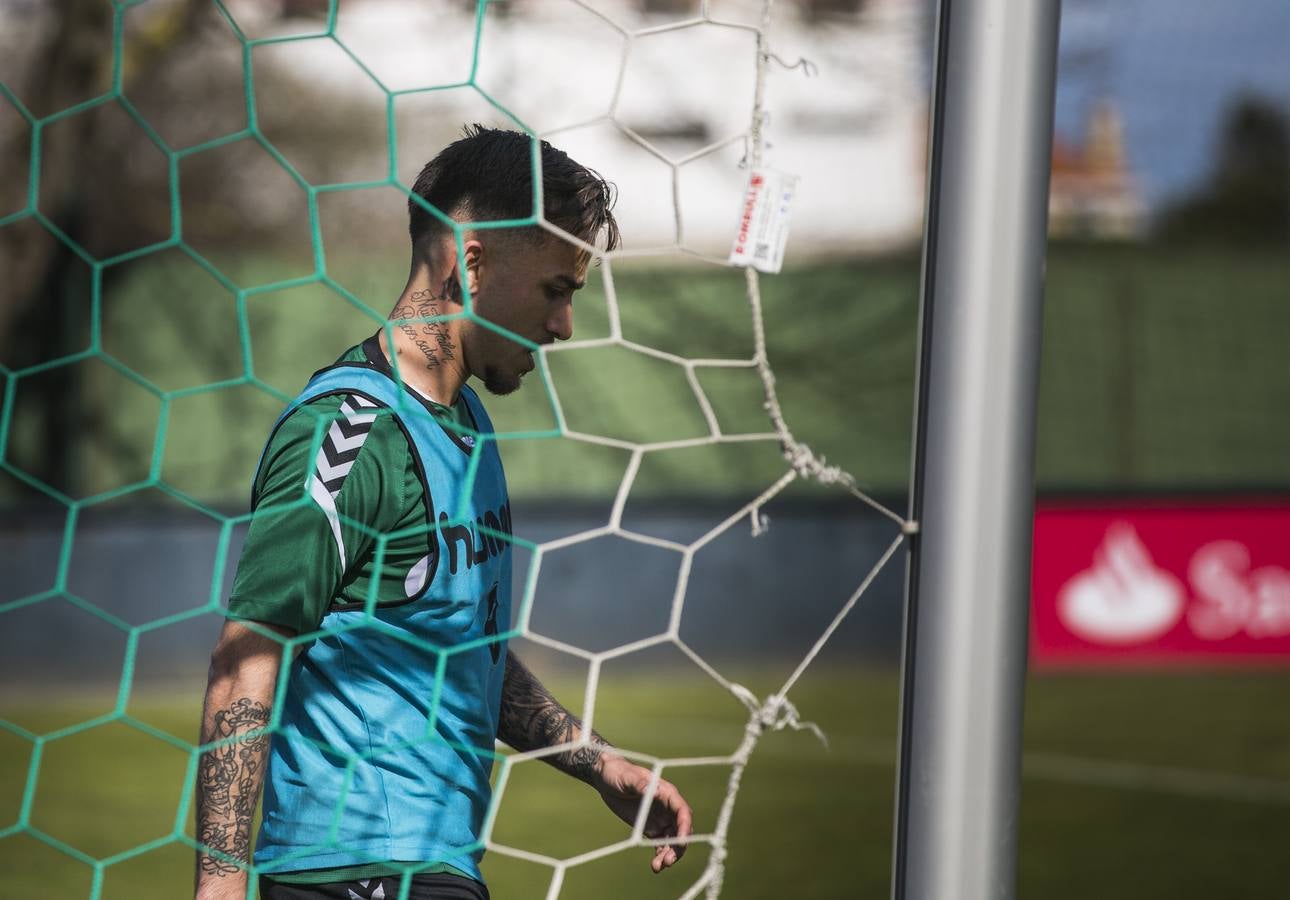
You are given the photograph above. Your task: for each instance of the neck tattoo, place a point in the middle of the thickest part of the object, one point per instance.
(431, 338)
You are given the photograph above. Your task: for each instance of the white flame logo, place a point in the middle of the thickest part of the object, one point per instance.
(1124, 598)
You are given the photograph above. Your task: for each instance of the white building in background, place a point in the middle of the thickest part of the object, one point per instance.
(661, 113)
(1093, 193)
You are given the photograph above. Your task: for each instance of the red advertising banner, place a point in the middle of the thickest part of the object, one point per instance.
(1149, 582)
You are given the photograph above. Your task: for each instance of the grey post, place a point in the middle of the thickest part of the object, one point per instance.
(972, 493)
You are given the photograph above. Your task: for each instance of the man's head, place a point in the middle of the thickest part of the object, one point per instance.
(487, 176)
(521, 279)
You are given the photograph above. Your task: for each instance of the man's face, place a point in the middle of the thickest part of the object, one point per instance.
(526, 288)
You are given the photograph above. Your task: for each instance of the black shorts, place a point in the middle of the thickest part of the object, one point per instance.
(425, 886)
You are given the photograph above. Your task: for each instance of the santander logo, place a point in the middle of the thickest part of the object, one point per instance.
(1234, 599)
(1124, 598)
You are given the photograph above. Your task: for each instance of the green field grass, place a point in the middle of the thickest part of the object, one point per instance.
(1137, 786)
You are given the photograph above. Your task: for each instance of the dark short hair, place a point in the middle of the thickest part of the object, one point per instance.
(488, 174)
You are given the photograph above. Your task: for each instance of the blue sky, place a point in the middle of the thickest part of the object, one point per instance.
(1173, 67)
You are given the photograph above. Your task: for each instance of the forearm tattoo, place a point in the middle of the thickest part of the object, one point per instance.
(531, 718)
(228, 785)
(431, 338)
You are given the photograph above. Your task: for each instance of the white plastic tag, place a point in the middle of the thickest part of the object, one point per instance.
(763, 224)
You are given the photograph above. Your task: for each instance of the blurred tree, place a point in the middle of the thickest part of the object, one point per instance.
(1247, 198)
(91, 188)
(104, 184)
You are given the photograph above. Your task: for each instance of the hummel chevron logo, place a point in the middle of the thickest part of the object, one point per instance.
(344, 440)
(377, 894)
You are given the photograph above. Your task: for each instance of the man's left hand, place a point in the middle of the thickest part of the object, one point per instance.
(622, 785)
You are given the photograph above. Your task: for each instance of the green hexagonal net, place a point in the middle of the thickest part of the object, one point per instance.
(181, 343)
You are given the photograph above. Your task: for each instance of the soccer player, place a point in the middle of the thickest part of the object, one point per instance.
(380, 764)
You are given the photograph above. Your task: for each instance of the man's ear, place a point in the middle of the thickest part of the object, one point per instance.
(474, 253)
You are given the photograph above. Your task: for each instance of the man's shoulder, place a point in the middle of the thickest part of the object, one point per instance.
(339, 430)
(341, 400)
(347, 415)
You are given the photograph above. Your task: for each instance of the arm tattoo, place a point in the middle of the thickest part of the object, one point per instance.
(431, 338)
(531, 718)
(228, 785)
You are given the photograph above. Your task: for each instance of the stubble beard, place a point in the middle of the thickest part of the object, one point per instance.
(500, 383)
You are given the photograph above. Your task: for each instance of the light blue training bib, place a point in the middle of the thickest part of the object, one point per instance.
(386, 745)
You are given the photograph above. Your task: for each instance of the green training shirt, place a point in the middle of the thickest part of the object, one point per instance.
(291, 572)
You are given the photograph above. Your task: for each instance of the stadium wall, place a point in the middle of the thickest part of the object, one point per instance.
(748, 598)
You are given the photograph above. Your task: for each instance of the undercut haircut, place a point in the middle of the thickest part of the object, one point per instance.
(487, 176)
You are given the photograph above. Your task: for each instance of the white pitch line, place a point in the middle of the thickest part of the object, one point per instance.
(1040, 766)
(1160, 779)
